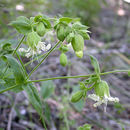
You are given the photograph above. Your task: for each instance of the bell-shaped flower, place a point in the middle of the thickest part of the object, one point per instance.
(35, 45)
(102, 94)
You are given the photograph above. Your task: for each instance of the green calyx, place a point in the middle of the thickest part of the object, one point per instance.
(64, 48)
(77, 96)
(32, 39)
(40, 29)
(63, 59)
(60, 32)
(102, 89)
(78, 45)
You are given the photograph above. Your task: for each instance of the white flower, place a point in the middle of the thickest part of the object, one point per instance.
(41, 46)
(104, 100)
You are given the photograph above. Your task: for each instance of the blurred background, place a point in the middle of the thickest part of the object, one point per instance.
(109, 22)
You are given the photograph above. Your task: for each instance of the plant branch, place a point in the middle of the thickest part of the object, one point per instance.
(36, 58)
(7, 89)
(65, 77)
(22, 64)
(44, 58)
(79, 76)
(18, 45)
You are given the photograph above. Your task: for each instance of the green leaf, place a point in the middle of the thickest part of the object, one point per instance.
(79, 26)
(85, 127)
(16, 68)
(6, 49)
(129, 73)
(79, 105)
(33, 97)
(2, 81)
(46, 23)
(47, 111)
(22, 25)
(47, 89)
(84, 34)
(66, 19)
(95, 64)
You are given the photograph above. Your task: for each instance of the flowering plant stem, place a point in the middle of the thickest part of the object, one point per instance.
(44, 59)
(18, 45)
(14, 52)
(64, 77)
(79, 76)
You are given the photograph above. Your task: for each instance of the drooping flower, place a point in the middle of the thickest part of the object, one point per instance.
(35, 45)
(41, 46)
(102, 95)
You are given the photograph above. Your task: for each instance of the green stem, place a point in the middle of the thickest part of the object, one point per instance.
(18, 45)
(43, 122)
(21, 64)
(66, 77)
(66, 120)
(7, 89)
(44, 59)
(38, 57)
(79, 76)
(14, 52)
(34, 59)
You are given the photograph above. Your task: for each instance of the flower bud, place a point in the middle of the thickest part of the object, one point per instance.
(78, 45)
(63, 59)
(65, 48)
(79, 54)
(77, 96)
(40, 29)
(60, 33)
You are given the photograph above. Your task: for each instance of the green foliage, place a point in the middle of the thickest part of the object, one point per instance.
(13, 75)
(95, 64)
(22, 25)
(33, 97)
(47, 89)
(16, 68)
(85, 127)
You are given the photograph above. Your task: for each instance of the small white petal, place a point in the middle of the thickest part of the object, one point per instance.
(28, 55)
(97, 103)
(48, 47)
(22, 50)
(111, 99)
(94, 97)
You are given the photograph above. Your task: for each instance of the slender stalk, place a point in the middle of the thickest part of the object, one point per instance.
(66, 120)
(38, 57)
(79, 76)
(43, 122)
(34, 60)
(7, 89)
(14, 52)
(44, 59)
(22, 64)
(65, 77)
(18, 45)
